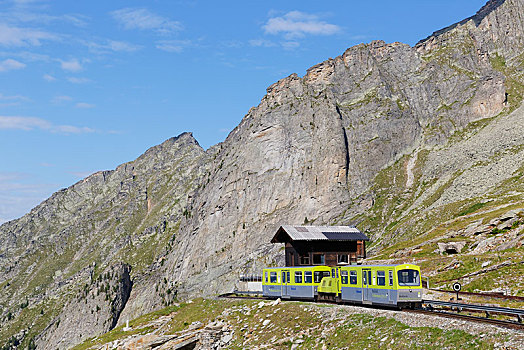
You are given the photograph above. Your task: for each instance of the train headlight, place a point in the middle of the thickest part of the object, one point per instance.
(418, 294)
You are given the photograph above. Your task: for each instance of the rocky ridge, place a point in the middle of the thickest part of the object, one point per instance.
(393, 138)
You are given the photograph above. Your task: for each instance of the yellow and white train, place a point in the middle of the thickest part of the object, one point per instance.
(393, 285)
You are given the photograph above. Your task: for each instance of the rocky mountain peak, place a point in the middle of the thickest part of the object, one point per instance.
(392, 138)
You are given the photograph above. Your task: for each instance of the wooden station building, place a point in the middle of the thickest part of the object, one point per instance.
(321, 245)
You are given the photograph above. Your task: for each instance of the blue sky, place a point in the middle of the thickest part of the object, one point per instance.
(88, 85)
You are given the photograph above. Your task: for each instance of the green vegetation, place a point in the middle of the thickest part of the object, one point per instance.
(514, 84)
(472, 209)
(35, 318)
(309, 326)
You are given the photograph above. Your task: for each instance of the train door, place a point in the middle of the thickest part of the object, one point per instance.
(335, 275)
(285, 282)
(366, 283)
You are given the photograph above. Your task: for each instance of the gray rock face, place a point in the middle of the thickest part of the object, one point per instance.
(382, 133)
(313, 147)
(128, 215)
(95, 311)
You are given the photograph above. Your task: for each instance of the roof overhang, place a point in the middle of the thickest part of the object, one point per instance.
(288, 233)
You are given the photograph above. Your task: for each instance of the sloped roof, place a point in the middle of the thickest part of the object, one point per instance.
(318, 233)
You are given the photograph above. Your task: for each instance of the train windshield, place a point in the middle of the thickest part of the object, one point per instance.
(408, 277)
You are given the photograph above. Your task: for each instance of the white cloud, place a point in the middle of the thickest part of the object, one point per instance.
(18, 195)
(26, 2)
(15, 36)
(173, 45)
(76, 80)
(290, 45)
(69, 129)
(296, 24)
(108, 46)
(261, 43)
(72, 65)
(14, 100)
(23, 123)
(61, 98)
(48, 77)
(121, 46)
(10, 64)
(26, 56)
(143, 19)
(32, 123)
(84, 105)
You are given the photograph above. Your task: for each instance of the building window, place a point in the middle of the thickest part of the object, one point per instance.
(352, 277)
(304, 260)
(318, 259)
(342, 259)
(273, 277)
(298, 276)
(381, 278)
(344, 276)
(308, 277)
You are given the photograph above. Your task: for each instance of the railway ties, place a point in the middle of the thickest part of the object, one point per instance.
(430, 308)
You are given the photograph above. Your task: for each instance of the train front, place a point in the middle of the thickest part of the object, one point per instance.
(408, 286)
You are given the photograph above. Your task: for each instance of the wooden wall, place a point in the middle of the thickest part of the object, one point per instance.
(294, 250)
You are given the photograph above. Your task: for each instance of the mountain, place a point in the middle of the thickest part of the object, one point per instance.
(415, 145)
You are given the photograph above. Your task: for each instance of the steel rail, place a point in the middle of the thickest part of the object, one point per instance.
(483, 295)
(476, 307)
(447, 314)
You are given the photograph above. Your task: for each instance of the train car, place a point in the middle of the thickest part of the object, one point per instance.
(293, 282)
(393, 285)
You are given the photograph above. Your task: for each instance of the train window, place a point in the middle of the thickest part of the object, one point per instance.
(318, 277)
(320, 274)
(390, 277)
(283, 277)
(342, 259)
(318, 259)
(344, 276)
(308, 277)
(273, 277)
(266, 277)
(370, 281)
(381, 278)
(353, 277)
(304, 260)
(298, 276)
(408, 277)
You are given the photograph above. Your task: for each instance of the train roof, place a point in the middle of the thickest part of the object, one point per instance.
(350, 266)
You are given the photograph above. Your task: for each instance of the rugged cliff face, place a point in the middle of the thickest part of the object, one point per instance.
(393, 138)
(53, 256)
(314, 148)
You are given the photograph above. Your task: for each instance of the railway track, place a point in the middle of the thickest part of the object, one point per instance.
(455, 310)
(447, 314)
(482, 295)
(242, 295)
(446, 309)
